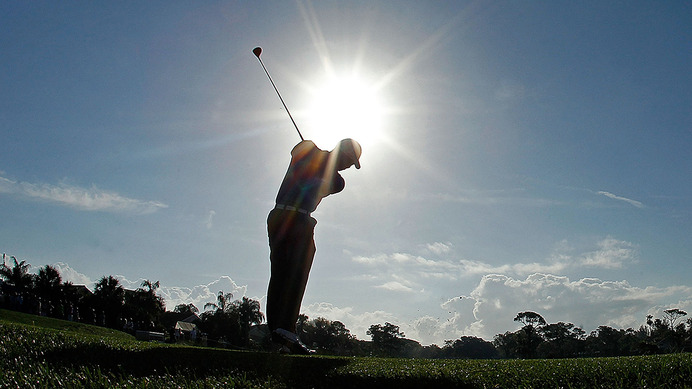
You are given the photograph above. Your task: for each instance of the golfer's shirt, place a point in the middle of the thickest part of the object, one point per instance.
(311, 176)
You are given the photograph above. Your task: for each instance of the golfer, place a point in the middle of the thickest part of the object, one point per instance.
(311, 176)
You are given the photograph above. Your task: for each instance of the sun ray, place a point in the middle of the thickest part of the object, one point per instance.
(313, 25)
(351, 100)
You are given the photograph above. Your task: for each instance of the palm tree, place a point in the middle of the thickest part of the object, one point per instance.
(222, 305)
(221, 321)
(151, 287)
(18, 275)
(18, 280)
(74, 301)
(109, 296)
(248, 311)
(144, 306)
(47, 286)
(48, 279)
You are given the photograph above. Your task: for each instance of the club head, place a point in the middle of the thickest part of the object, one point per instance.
(257, 51)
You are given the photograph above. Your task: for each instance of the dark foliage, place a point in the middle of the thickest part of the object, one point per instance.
(238, 324)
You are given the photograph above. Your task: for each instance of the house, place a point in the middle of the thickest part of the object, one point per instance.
(185, 330)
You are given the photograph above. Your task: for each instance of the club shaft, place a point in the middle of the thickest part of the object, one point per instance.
(280, 98)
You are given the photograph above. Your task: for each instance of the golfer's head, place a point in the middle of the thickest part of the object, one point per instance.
(348, 153)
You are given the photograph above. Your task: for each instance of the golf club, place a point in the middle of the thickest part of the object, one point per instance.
(257, 51)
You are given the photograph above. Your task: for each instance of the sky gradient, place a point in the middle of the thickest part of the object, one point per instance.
(516, 155)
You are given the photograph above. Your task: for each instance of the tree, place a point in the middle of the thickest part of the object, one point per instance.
(222, 322)
(606, 341)
(328, 336)
(508, 344)
(342, 342)
(248, 313)
(223, 303)
(383, 333)
(18, 275)
(529, 337)
(386, 338)
(301, 323)
(109, 297)
(186, 309)
(75, 302)
(667, 335)
(673, 315)
(469, 347)
(562, 340)
(144, 307)
(18, 280)
(47, 286)
(529, 318)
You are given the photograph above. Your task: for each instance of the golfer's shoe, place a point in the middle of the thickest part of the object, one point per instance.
(291, 341)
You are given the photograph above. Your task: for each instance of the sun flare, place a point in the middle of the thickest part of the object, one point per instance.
(346, 107)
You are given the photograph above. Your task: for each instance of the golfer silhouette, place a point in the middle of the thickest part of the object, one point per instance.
(312, 175)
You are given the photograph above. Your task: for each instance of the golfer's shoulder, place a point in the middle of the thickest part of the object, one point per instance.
(304, 148)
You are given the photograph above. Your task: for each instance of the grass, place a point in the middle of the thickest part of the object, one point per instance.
(40, 352)
(61, 325)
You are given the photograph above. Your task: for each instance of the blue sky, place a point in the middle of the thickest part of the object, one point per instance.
(516, 155)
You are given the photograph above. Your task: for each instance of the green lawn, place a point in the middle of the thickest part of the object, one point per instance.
(41, 352)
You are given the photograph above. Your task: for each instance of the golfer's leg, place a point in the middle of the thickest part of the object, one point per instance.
(299, 280)
(280, 257)
(277, 284)
(287, 282)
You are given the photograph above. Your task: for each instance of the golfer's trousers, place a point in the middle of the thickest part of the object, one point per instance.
(292, 245)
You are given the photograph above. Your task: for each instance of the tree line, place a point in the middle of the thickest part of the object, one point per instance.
(239, 323)
(538, 339)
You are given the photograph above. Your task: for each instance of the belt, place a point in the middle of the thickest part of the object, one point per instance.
(292, 208)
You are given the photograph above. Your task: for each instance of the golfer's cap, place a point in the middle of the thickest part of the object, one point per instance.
(351, 149)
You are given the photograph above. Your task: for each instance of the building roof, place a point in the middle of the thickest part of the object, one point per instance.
(82, 290)
(187, 327)
(191, 318)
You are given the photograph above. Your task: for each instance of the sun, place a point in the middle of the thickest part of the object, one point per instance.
(345, 107)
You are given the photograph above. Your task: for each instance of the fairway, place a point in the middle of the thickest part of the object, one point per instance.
(41, 352)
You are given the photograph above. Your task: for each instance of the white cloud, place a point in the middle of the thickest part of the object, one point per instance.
(611, 254)
(414, 262)
(506, 289)
(476, 267)
(405, 273)
(426, 330)
(608, 253)
(619, 198)
(210, 219)
(455, 319)
(91, 199)
(68, 274)
(588, 302)
(374, 260)
(395, 286)
(439, 248)
(201, 294)
(515, 197)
